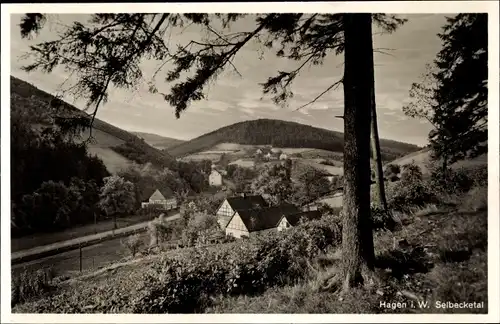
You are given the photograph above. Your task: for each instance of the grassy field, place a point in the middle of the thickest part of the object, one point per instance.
(93, 258)
(28, 242)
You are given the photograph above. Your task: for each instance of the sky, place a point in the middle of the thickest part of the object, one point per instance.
(233, 98)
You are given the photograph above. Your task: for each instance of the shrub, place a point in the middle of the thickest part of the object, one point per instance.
(411, 173)
(406, 195)
(133, 243)
(31, 284)
(381, 219)
(452, 182)
(185, 285)
(475, 200)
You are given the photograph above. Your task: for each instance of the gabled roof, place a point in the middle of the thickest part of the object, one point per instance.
(309, 215)
(266, 218)
(247, 202)
(158, 194)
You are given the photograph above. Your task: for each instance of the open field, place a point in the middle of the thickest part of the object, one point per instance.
(244, 163)
(32, 241)
(93, 257)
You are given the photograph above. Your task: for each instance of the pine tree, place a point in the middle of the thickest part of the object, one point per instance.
(453, 94)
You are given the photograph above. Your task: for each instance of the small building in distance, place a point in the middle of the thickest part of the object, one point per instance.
(163, 199)
(215, 178)
(283, 156)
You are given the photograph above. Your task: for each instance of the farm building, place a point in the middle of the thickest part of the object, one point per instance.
(268, 156)
(163, 198)
(259, 151)
(283, 156)
(215, 178)
(293, 220)
(254, 221)
(233, 204)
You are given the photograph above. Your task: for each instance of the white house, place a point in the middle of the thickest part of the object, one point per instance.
(249, 221)
(215, 178)
(268, 156)
(163, 199)
(259, 151)
(283, 156)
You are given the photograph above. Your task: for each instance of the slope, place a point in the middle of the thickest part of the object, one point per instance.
(106, 137)
(157, 141)
(422, 158)
(281, 133)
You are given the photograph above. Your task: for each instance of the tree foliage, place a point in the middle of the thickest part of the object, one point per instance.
(453, 95)
(274, 183)
(48, 159)
(117, 196)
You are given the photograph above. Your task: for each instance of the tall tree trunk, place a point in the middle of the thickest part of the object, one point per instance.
(357, 235)
(377, 156)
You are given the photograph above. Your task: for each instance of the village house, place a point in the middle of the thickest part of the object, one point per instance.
(215, 178)
(283, 156)
(268, 156)
(259, 151)
(294, 219)
(163, 198)
(260, 220)
(232, 204)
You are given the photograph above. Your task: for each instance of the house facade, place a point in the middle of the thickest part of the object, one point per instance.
(215, 178)
(165, 200)
(283, 156)
(233, 204)
(276, 218)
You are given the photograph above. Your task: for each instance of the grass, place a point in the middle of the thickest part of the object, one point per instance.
(28, 242)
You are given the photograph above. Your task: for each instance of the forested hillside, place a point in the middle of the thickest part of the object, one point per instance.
(281, 133)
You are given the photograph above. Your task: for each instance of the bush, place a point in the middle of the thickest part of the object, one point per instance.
(475, 200)
(185, 285)
(411, 173)
(381, 219)
(405, 195)
(133, 243)
(452, 182)
(31, 284)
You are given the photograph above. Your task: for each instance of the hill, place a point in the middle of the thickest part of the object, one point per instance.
(284, 134)
(157, 141)
(107, 139)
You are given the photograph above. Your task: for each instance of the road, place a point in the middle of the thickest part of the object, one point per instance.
(84, 240)
(39, 239)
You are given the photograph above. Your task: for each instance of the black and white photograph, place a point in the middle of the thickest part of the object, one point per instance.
(290, 161)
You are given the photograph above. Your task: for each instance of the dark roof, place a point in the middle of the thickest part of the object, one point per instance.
(247, 202)
(265, 218)
(309, 215)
